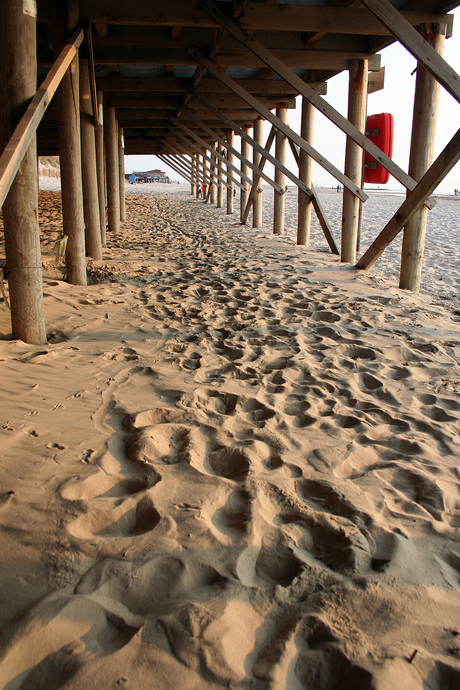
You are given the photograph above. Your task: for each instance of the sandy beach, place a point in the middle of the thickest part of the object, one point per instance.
(235, 463)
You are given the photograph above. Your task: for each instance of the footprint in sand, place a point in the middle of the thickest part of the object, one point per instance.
(126, 519)
(233, 518)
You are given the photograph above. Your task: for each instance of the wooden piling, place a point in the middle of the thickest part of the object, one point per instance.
(68, 116)
(194, 180)
(121, 173)
(230, 189)
(258, 136)
(220, 174)
(280, 178)
(425, 113)
(214, 166)
(112, 176)
(198, 175)
(244, 193)
(18, 82)
(101, 168)
(205, 175)
(93, 244)
(357, 108)
(305, 167)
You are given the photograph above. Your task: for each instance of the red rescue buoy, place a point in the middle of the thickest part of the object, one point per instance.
(379, 129)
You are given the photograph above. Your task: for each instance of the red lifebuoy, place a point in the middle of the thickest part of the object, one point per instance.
(379, 129)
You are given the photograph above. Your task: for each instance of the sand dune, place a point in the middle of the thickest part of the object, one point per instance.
(234, 464)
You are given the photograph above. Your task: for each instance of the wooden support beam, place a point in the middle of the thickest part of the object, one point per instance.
(199, 174)
(23, 134)
(234, 151)
(68, 113)
(206, 173)
(237, 57)
(18, 79)
(281, 126)
(100, 162)
(220, 177)
(271, 159)
(244, 194)
(415, 200)
(230, 190)
(256, 16)
(205, 159)
(181, 162)
(193, 180)
(258, 130)
(425, 113)
(416, 45)
(121, 173)
(92, 74)
(214, 168)
(357, 110)
(257, 176)
(93, 244)
(200, 141)
(305, 167)
(280, 155)
(112, 175)
(173, 164)
(323, 221)
(209, 85)
(291, 78)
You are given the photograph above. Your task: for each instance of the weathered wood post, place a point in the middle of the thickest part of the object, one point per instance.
(18, 83)
(112, 176)
(426, 102)
(357, 108)
(220, 174)
(244, 193)
(305, 166)
(198, 175)
(194, 180)
(68, 116)
(205, 175)
(101, 168)
(257, 203)
(230, 187)
(280, 178)
(214, 165)
(93, 242)
(121, 173)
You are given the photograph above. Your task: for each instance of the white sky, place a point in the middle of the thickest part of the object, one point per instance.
(397, 98)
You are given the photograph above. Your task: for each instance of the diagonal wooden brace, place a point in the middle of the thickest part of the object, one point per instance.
(305, 90)
(414, 201)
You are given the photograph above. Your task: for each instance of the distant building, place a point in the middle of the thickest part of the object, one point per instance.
(148, 176)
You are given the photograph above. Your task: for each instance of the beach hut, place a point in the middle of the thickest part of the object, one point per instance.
(117, 79)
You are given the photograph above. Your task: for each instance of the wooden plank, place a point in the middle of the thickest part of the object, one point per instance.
(256, 105)
(258, 175)
(221, 141)
(237, 57)
(171, 85)
(288, 75)
(14, 151)
(255, 17)
(415, 200)
(416, 45)
(323, 222)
